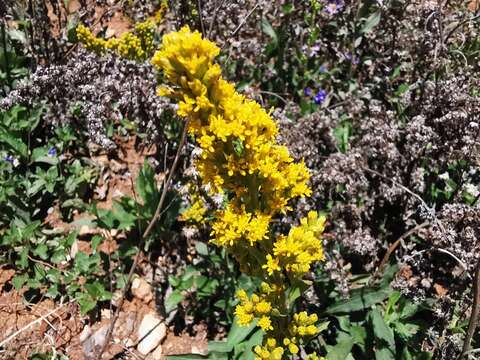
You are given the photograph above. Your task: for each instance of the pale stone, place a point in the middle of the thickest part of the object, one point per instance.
(86, 332)
(142, 289)
(151, 332)
(157, 353)
(94, 342)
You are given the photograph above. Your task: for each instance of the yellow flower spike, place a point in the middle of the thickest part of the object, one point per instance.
(240, 157)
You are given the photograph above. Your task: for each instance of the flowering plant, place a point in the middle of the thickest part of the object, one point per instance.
(242, 160)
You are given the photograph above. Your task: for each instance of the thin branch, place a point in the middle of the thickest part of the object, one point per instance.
(275, 95)
(147, 232)
(394, 245)
(472, 325)
(244, 20)
(199, 9)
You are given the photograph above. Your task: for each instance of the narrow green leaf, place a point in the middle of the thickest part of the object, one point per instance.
(361, 300)
(381, 330)
(238, 333)
(371, 22)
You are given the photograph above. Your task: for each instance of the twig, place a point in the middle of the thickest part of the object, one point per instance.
(41, 262)
(472, 324)
(199, 9)
(147, 232)
(392, 247)
(40, 319)
(274, 94)
(244, 20)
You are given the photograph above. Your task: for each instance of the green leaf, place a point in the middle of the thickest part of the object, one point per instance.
(202, 248)
(371, 22)
(341, 350)
(97, 291)
(146, 186)
(86, 305)
(268, 29)
(406, 331)
(361, 300)
(173, 300)
(384, 353)
(42, 251)
(381, 330)
(219, 346)
(323, 326)
(239, 333)
(19, 280)
(359, 334)
(96, 240)
(40, 155)
(255, 339)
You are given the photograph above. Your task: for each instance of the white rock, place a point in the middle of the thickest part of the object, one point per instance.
(94, 342)
(85, 334)
(129, 343)
(151, 332)
(157, 353)
(142, 289)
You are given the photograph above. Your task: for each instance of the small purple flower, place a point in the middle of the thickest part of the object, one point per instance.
(314, 51)
(320, 97)
(307, 91)
(311, 51)
(354, 59)
(334, 7)
(8, 158)
(323, 69)
(52, 152)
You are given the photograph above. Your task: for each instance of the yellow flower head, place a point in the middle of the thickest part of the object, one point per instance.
(185, 53)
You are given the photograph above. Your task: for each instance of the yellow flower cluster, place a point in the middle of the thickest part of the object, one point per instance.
(241, 159)
(297, 251)
(196, 213)
(234, 225)
(303, 324)
(137, 45)
(256, 306)
(269, 351)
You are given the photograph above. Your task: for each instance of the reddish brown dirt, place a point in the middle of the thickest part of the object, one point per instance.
(57, 331)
